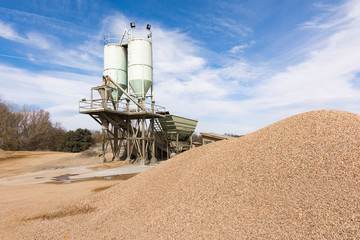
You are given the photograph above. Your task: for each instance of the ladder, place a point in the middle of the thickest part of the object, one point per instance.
(160, 136)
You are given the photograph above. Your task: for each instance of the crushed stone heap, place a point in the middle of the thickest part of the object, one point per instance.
(298, 178)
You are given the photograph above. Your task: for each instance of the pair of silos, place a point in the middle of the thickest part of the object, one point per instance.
(133, 64)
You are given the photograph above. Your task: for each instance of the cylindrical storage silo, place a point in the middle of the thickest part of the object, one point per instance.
(140, 66)
(115, 66)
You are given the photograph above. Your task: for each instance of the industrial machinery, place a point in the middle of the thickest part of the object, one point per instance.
(178, 133)
(136, 129)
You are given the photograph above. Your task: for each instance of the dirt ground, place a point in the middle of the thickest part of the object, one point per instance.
(29, 186)
(298, 178)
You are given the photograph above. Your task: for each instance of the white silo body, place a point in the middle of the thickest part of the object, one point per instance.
(140, 68)
(115, 66)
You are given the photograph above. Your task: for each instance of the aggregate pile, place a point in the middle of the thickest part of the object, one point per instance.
(296, 179)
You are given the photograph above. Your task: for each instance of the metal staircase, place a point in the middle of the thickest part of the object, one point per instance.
(161, 140)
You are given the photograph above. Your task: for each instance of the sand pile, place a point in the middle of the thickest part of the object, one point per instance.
(298, 178)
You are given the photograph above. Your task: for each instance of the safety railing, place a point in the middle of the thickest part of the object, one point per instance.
(122, 105)
(113, 38)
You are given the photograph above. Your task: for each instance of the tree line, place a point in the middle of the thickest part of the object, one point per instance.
(30, 129)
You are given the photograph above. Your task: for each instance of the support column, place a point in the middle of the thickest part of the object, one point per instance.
(143, 141)
(103, 144)
(128, 154)
(177, 143)
(116, 144)
(153, 157)
(167, 148)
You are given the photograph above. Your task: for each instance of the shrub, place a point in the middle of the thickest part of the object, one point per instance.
(75, 141)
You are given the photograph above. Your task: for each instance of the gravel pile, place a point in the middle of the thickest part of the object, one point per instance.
(298, 178)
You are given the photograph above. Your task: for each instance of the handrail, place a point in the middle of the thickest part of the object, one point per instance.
(112, 38)
(121, 105)
(128, 95)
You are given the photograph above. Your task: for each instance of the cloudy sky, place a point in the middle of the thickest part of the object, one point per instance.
(236, 66)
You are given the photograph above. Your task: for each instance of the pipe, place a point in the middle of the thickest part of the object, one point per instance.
(128, 95)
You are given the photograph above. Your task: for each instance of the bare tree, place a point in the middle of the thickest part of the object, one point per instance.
(27, 128)
(9, 126)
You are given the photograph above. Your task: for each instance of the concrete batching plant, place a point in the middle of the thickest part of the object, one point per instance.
(134, 127)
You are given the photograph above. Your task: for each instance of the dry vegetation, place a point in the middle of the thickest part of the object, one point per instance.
(296, 179)
(30, 129)
(27, 128)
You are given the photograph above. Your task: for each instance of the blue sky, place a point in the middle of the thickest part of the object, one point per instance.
(236, 66)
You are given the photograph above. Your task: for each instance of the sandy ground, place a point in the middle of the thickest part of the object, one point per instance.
(298, 178)
(32, 183)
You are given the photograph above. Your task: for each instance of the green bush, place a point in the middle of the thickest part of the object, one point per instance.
(75, 141)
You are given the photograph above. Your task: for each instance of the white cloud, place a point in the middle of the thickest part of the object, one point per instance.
(241, 48)
(238, 97)
(8, 32)
(115, 23)
(38, 40)
(326, 79)
(32, 39)
(232, 27)
(331, 16)
(174, 53)
(48, 49)
(323, 80)
(327, 73)
(241, 97)
(56, 92)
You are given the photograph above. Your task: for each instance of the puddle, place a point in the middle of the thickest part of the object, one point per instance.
(66, 178)
(62, 178)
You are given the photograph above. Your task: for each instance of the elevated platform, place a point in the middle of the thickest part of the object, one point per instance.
(125, 126)
(139, 133)
(118, 113)
(120, 108)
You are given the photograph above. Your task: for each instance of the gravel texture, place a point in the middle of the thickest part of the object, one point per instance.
(296, 179)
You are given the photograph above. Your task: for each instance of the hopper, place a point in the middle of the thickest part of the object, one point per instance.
(176, 125)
